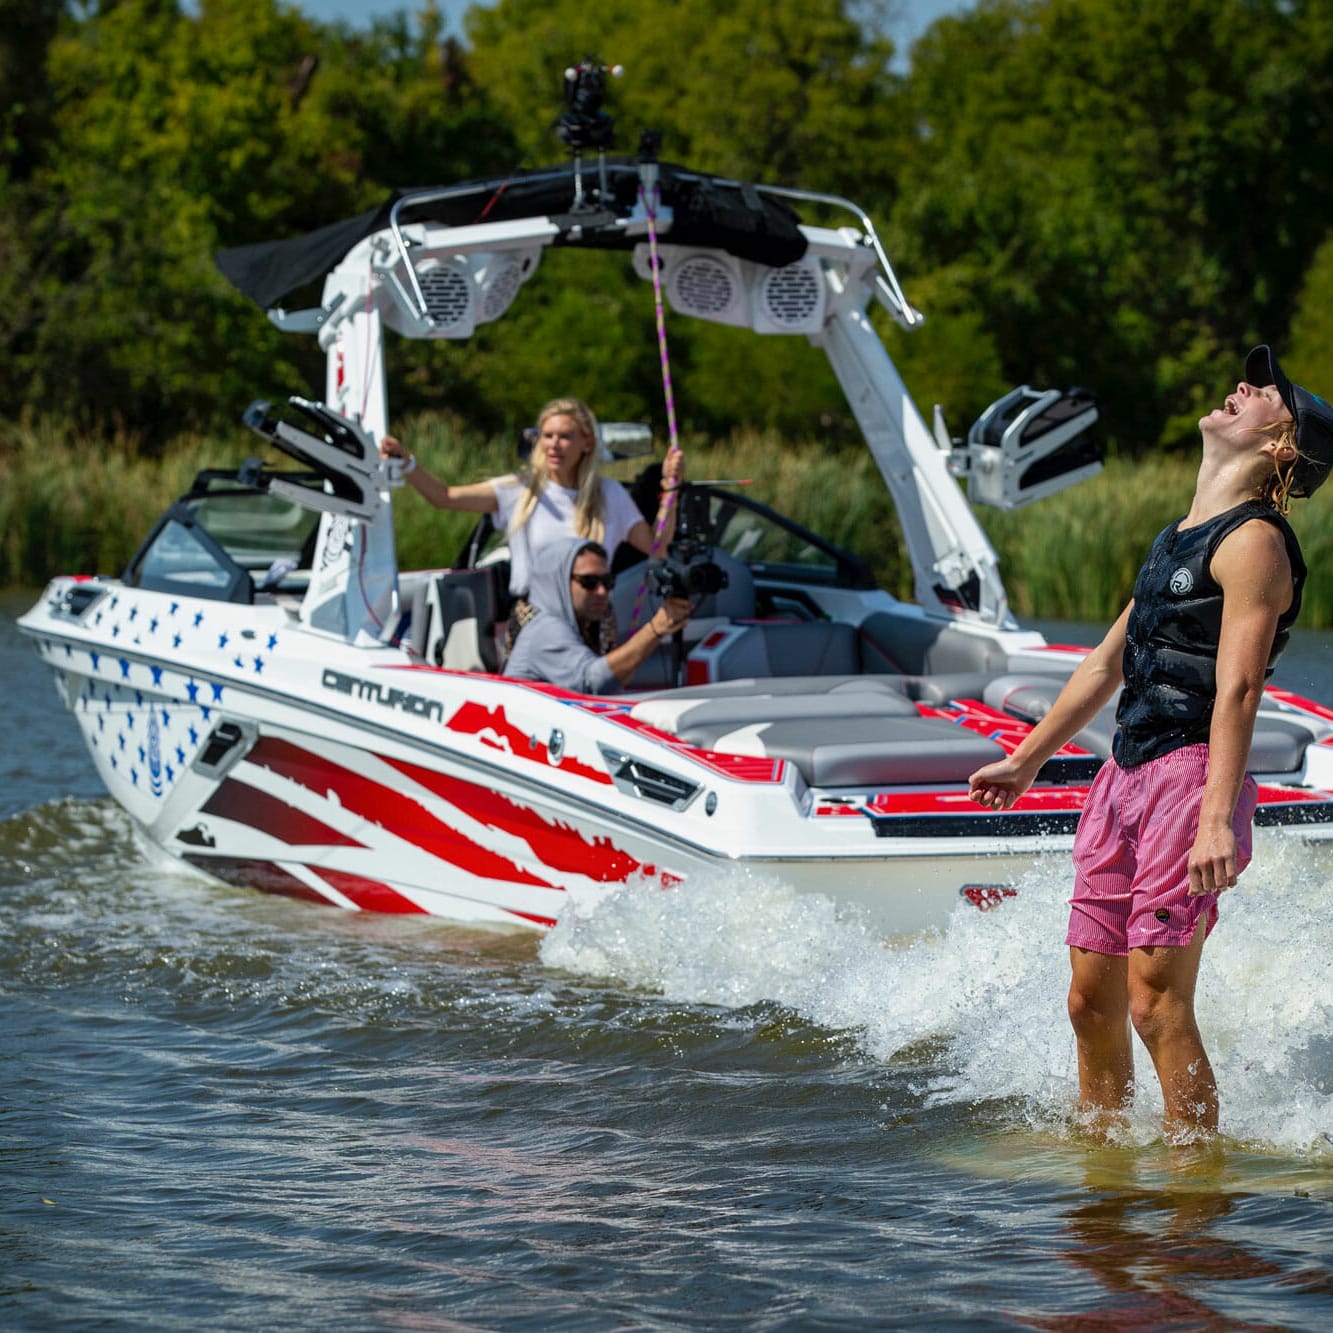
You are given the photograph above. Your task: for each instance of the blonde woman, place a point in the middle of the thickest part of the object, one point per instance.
(563, 495)
(1167, 824)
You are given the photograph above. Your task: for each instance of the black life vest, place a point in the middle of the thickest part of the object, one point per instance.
(1170, 659)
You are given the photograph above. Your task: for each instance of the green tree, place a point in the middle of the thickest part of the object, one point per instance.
(1128, 189)
(754, 89)
(175, 134)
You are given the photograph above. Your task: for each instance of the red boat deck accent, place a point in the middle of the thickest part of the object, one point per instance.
(1299, 701)
(1039, 800)
(1002, 728)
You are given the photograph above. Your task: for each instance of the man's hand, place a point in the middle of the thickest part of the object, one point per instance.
(1212, 860)
(671, 616)
(1000, 784)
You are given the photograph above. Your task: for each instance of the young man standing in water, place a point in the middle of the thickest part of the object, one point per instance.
(1166, 827)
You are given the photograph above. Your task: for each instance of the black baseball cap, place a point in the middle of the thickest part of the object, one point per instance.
(1313, 416)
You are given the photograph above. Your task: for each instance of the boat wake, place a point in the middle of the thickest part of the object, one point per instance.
(990, 990)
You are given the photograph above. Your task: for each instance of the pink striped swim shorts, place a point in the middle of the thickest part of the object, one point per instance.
(1131, 877)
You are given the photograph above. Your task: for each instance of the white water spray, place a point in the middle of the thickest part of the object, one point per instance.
(993, 986)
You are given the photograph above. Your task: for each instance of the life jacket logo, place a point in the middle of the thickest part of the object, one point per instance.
(1181, 581)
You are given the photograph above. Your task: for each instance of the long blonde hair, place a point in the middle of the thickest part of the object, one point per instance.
(1275, 486)
(589, 513)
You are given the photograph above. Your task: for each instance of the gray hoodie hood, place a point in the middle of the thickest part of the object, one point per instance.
(549, 647)
(548, 588)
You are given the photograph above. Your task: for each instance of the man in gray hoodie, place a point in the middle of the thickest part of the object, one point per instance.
(570, 590)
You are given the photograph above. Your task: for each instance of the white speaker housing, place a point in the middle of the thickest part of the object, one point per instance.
(718, 287)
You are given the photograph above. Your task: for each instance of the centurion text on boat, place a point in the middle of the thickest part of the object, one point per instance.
(276, 704)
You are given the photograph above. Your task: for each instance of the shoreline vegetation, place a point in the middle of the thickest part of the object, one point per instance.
(71, 504)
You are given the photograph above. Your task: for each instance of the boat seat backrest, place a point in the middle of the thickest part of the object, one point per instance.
(918, 647)
(792, 648)
(454, 619)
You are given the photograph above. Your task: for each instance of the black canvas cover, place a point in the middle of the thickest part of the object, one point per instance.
(707, 210)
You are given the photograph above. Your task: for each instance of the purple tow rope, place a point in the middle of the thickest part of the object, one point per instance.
(665, 511)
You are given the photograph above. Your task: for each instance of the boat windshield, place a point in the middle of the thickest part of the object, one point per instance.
(256, 529)
(775, 546)
(225, 541)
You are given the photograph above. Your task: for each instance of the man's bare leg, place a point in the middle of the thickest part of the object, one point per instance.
(1099, 1011)
(1161, 1006)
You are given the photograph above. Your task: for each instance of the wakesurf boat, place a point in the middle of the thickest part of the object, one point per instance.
(277, 705)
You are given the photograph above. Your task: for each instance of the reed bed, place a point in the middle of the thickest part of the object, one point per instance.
(69, 504)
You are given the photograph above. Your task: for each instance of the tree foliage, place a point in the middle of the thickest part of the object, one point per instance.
(1129, 190)
(173, 134)
(1117, 193)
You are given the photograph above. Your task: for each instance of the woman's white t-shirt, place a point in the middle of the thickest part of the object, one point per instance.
(553, 519)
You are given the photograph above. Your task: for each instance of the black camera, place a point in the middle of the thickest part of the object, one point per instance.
(688, 569)
(584, 124)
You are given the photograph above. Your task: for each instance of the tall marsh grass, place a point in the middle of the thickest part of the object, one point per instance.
(70, 505)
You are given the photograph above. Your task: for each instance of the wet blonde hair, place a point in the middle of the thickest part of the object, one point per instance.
(589, 520)
(1275, 486)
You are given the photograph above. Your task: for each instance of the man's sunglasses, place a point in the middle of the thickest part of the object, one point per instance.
(593, 581)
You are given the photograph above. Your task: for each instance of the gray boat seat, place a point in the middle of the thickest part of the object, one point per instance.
(455, 618)
(1278, 745)
(678, 715)
(861, 751)
(777, 686)
(792, 648)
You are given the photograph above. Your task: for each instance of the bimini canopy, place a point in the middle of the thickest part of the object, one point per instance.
(728, 215)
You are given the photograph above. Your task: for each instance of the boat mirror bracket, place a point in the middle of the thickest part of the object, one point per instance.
(305, 321)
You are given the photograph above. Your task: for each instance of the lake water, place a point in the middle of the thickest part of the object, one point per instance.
(723, 1107)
